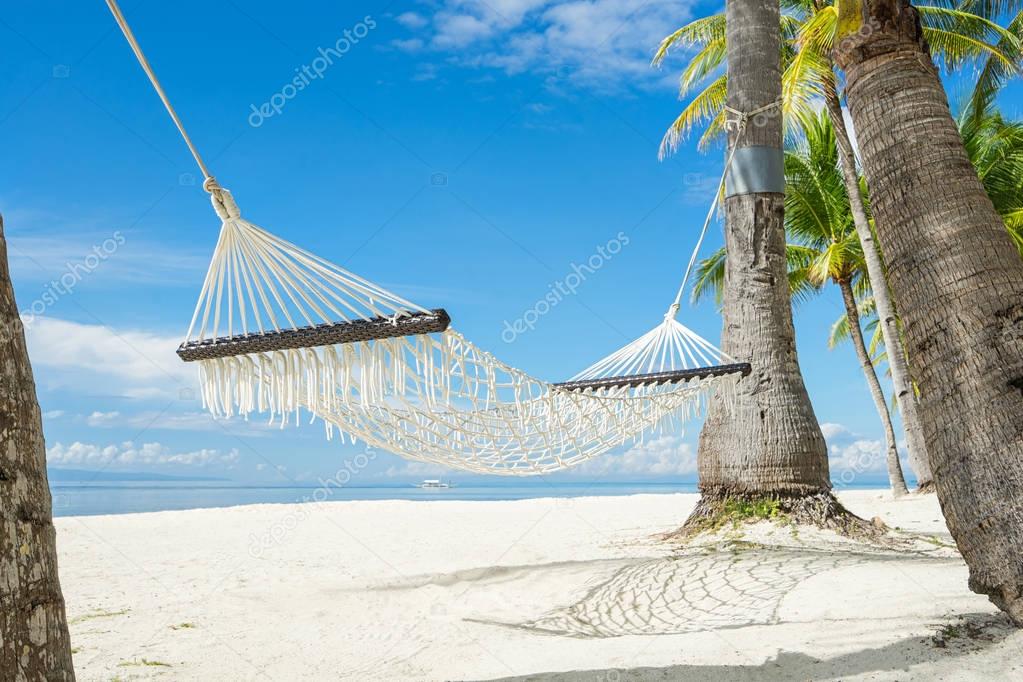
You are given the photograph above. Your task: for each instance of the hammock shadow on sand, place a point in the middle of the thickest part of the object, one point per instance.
(694, 592)
(893, 660)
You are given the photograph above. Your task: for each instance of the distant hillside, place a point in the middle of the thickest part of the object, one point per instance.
(61, 475)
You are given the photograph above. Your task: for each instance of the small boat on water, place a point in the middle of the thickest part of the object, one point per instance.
(433, 483)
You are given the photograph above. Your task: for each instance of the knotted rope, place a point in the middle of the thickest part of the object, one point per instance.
(737, 122)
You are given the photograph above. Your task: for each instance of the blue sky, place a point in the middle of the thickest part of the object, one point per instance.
(463, 154)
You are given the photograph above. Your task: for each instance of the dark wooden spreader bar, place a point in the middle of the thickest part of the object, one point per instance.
(673, 377)
(436, 320)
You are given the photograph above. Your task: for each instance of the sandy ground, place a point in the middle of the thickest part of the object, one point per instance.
(530, 590)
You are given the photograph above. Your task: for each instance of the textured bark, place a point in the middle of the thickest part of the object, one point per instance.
(898, 482)
(819, 509)
(959, 284)
(34, 641)
(905, 395)
(769, 441)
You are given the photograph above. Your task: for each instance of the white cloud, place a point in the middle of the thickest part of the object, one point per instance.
(40, 254)
(665, 455)
(832, 431)
(130, 454)
(410, 45)
(411, 20)
(425, 71)
(851, 454)
(599, 42)
(862, 456)
(102, 418)
(53, 414)
(93, 358)
(417, 469)
(180, 421)
(458, 30)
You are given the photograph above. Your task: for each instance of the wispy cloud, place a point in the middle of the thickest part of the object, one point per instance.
(411, 20)
(658, 456)
(131, 454)
(94, 359)
(417, 470)
(603, 43)
(154, 420)
(44, 245)
(46, 257)
(850, 453)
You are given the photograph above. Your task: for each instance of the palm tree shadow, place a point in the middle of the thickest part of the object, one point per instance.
(896, 656)
(695, 591)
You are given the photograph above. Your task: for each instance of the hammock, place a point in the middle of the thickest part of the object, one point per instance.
(278, 330)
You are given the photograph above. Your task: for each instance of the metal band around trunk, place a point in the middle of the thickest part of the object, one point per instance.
(756, 169)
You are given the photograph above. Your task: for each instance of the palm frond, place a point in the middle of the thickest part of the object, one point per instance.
(703, 108)
(995, 73)
(710, 278)
(957, 38)
(818, 32)
(803, 83)
(705, 62)
(699, 32)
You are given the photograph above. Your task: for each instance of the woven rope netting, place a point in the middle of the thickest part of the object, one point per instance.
(428, 397)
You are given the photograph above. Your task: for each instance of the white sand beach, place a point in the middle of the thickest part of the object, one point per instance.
(546, 589)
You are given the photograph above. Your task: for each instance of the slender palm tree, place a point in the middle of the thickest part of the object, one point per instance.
(823, 246)
(809, 29)
(995, 147)
(866, 310)
(818, 215)
(959, 282)
(34, 641)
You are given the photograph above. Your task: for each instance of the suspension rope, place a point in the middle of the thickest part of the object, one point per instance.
(736, 122)
(209, 182)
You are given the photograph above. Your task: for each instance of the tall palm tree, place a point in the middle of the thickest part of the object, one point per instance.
(809, 29)
(34, 641)
(823, 246)
(767, 442)
(959, 282)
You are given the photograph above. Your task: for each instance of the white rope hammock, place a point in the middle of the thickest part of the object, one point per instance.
(278, 329)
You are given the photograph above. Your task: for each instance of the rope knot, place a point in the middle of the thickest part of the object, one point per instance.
(736, 125)
(223, 202)
(742, 118)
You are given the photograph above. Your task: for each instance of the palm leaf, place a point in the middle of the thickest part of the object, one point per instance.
(710, 278)
(699, 32)
(703, 108)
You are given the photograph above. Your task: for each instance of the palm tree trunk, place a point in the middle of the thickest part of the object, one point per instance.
(895, 477)
(34, 640)
(768, 443)
(905, 395)
(959, 283)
